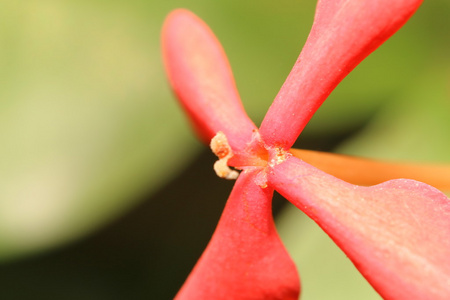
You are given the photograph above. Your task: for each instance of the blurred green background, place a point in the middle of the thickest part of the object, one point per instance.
(105, 192)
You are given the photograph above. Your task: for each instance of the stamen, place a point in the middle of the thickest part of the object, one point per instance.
(367, 172)
(219, 145)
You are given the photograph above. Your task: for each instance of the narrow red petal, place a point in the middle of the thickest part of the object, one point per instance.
(396, 233)
(343, 34)
(245, 258)
(201, 77)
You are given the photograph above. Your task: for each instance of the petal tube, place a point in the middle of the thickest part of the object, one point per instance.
(201, 77)
(354, 169)
(344, 32)
(396, 233)
(245, 258)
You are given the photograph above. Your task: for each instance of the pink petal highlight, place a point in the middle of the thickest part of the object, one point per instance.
(396, 233)
(245, 258)
(343, 34)
(201, 77)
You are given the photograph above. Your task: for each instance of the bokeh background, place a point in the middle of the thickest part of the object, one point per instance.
(105, 192)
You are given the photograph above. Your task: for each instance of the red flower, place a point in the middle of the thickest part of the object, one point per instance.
(396, 233)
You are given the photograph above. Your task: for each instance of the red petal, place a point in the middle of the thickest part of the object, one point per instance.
(245, 258)
(201, 77)
(396, 233)
(343, 34)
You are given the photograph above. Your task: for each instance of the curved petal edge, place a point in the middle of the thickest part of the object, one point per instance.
(344, 32)
(201, 77)
(245, 258)
(396, 233)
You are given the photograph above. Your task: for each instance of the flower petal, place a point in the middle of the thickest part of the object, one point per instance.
(343, 34)
(201, 77)
(396, 233)
(245, 258)
(354, 169)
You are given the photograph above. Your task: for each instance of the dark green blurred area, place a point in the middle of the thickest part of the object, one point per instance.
(104, 191)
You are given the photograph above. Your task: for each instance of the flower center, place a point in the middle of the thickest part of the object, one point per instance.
(256, 157)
